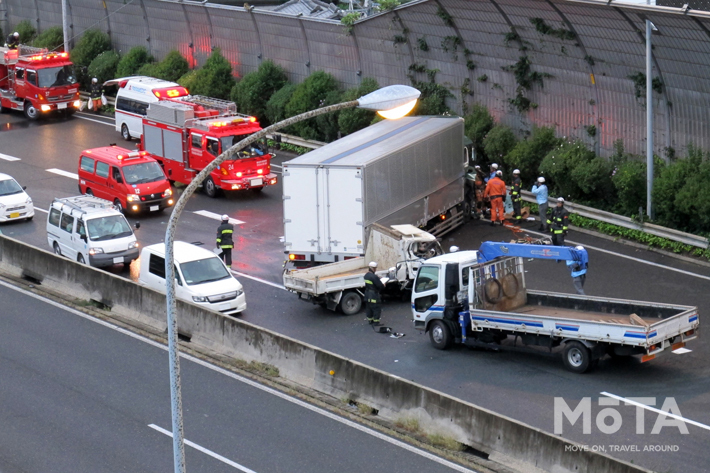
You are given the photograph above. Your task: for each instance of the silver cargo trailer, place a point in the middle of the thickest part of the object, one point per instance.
(407, 171)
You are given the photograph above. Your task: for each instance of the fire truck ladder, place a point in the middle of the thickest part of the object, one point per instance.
(224, 107)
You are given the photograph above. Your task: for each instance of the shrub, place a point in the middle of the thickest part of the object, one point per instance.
(276, 106)
(498, 143)
(667, 187)
(215, 78)
(354, 119)
(310, 95)
(26, 30)
(51, 38)
(593, 178)
(91, 44)
(629, 178)
(693, 200)
(104, 66)
(131, 63)
(529, 153)
(190, 81)
(254, 90)
(560, 163)
(477, 124)
(327, 124)
(388, 5)
(172, 67)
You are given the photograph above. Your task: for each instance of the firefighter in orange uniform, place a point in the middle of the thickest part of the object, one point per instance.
(495, 192)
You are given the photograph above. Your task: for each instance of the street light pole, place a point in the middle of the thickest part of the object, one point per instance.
(649, 121)
(396, 97)
(65, 24)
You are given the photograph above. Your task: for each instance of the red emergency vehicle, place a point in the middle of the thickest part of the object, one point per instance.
(185, 134)
(131, 180)
(37, 82)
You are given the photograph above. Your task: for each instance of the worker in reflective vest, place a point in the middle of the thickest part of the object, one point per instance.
(373, 286)
(516, 197)
(224, 240)
(557, 222)
(495, 191)
(579, 273)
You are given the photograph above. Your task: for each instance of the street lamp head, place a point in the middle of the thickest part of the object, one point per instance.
(393, 101)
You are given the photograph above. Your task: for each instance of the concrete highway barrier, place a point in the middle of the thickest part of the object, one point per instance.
(504, 439)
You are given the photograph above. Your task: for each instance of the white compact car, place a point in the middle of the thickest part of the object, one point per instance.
(202, 277)
(15, 204)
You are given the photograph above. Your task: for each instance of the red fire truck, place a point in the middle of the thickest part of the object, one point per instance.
(185, 134)
(37, 82)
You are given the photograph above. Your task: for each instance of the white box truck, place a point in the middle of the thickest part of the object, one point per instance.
(407, 171)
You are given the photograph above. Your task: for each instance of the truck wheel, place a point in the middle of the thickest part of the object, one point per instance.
(256, 190)
(80, 259)
(125, 133)
(30, 111)
(440, 335)
(210, 187)
(57, 250)
(89, 192)
(576, 357)
(350, 303)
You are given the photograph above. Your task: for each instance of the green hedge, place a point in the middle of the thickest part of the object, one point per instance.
(214, 79)
(51, 38)
(26, 30)
(104, 66)
(135, 58)
(254, 90)
(310, 95)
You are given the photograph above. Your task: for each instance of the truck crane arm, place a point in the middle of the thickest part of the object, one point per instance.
(490, 250)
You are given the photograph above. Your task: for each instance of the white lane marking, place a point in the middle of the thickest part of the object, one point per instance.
(657, 411)
(254, 384)
(639, 260)
(214, 216)
(37, 209)
(278, 286)
(8, 158)
(204, 450)
(681, 351)
(96, 121)
(63, 173)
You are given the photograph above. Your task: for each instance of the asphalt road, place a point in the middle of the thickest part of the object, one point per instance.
(521, 385)
(79, 396)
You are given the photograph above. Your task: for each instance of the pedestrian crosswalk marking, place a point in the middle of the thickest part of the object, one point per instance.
(214, 216)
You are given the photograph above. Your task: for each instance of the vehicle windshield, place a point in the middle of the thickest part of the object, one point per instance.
(56, 76)
(9, 187)
(108, 228)
(143, 172)
(204, 271)
(254, 149)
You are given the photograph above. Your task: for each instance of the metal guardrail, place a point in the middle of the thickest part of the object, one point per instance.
(626, 222)
(298, 141)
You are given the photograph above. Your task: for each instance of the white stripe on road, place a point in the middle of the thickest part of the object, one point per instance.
(94, 120)
(263, 281)
(37, 209)
(8, 158)
(204, 450)
(63, 173)
(657, 411)
(214, 216)
(254, 384)
(639, 260)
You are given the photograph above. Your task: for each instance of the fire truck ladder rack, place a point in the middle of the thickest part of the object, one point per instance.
(224, 107)
(25, 50)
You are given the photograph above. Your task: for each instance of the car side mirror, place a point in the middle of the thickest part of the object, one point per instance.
(138, 225)
(24, 188)
(84, 237)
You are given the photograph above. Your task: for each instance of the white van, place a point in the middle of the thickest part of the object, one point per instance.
(134, 96)
(91, 231)
(202, 277)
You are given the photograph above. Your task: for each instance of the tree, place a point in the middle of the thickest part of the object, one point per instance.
(256, 88)
(354, 119)
(104, 66)
(310, 95)
(131, 63)
(328, 123)
(91, 44)
(51, 38)
(26, 30)
(215, 78)
(477, 124)
(276, 106)
(529, 153)
(668, 187)
(498, 142)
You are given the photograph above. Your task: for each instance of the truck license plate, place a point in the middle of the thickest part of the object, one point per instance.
(61, 105)
(153, 208)
(118, 259)
(14, 214)
(256, 182)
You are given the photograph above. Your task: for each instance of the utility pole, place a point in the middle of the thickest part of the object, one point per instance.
(649, 120)
(65, 24)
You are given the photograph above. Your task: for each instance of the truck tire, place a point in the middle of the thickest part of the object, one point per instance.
(350, 303)
(210, 187)
(440, 335)
(576, 357)
(125, 133)
(30, 111)
(493, 291)
(510, 286)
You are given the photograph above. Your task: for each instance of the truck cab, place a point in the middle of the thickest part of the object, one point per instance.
(440, 293)
(37, 82)
(185, 134)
